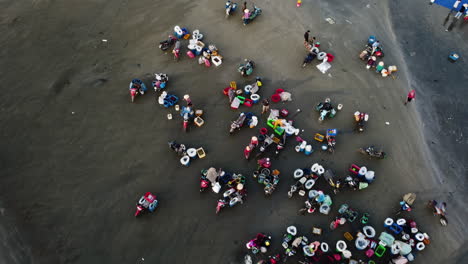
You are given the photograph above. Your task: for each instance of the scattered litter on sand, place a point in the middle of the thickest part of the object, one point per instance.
(387, 123)
(349, 22)
(330, 20)
(104, 40)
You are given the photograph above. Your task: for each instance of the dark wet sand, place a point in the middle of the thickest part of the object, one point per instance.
(70, 181)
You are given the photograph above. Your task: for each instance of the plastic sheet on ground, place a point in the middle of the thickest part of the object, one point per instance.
(212, 174)
(285, 96)
(324, 67)
(274, 113)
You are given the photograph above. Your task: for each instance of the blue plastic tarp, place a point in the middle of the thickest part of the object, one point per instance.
(449, 3)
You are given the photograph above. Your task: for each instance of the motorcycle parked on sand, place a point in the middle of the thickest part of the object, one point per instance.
(178, 148)
(238, 123)
(166, 44)
(160, 81)
(406, 203)
(309, 207)
(147, 202)
(176, 50)
(210, 178)
(335, 183)
(265, 144)
(187, 113)
(267, 178)
(260, 243)
(230, 8)
(250, 16)
(280, 144)
(439, 208)
(252, 145)
(230, 198)
(247, 68)
(370, 151)
(325, 109)
(136, 87)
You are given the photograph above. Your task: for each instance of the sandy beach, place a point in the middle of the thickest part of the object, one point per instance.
(77, 154)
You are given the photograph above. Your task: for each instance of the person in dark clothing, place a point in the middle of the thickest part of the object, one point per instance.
(306, 36)
(266, 106)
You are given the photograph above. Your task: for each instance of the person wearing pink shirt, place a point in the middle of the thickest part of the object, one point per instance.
(411, 96)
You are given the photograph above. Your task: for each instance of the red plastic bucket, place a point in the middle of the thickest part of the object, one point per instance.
(275, 98)
(279, 90)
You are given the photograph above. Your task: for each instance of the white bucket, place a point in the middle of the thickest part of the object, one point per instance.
(388, 222)
(291, 230)
(341, 246)
(321, 55)
(169, 116)
(185, 160)
(313, 194)
(369, 231)
(401, 222)
(320, 170)
(324, 247)
(298, 148)
(298, 173)
(308, 149)
(216, 187)
(420, 246)
(192, 153)
(309, 184)
(325, 209)
(192, 46)
(362, 171)
(255, 98)
(216, 60)
(419, 237)
(248, 89)
(315, 50)
(303, 145)
(346, 254)
(314, 167)
(308, 251)
(290, 131)
(361, 243)
(370, 176)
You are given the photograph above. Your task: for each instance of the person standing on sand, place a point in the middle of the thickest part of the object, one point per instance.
(266, 106)
(306, 36)
(411, 96)
(461, 11)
